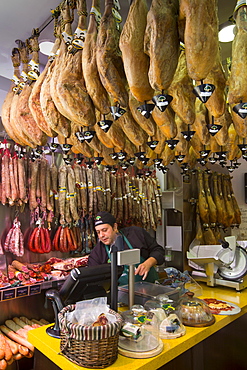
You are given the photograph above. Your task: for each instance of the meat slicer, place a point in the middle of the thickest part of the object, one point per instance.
(224, 264)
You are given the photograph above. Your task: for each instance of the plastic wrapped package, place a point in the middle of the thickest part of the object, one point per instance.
(140, 331)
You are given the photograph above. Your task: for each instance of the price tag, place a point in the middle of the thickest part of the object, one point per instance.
(35, 289)
(21, 291)
(8, 294)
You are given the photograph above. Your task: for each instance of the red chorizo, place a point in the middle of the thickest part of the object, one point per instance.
(31, 240)
(56, 238)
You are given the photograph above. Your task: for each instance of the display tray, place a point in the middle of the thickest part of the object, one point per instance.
(147, 354)
(219, 307)
(145, 291)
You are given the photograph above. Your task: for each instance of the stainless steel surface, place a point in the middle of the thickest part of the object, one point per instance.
(238, 285)
(131, 285)
(172, 199)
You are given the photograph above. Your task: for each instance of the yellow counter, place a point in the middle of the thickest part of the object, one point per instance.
(49, 346)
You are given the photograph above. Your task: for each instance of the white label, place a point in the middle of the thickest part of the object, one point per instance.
(162, 103)
(96, 13)
(24, 76)
(116, 4)
(34, 66)
(80, 34)
(206, 93)
(15, 79)
(116, 15)
(67, 38)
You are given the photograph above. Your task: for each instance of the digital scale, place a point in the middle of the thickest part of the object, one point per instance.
(224, 264)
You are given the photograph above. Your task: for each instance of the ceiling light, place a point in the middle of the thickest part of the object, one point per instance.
(46, 47)
(226, 33)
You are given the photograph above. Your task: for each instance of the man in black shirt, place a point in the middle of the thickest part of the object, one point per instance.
(133, 237)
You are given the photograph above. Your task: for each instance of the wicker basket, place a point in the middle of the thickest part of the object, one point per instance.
(91, 347)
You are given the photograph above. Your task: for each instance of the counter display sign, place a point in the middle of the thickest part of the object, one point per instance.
(35, 289)
(21, 291)
(8, 294)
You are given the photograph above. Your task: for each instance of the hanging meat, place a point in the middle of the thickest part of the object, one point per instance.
(70, 84)
(78, 145)
(14, 122)
(34, 99)
(228, 201)
(216, 105)
(14, 241)
(136, 62)
(131, 129)
(181, 89)
(237, 92)
(23, 113)
(234, 201)
(166, 122)
(64, 240)
(201, 122)
(224, 121)
(114, 134)
(182, 145)
(222, 217)
(39, 240)
(109, 61)
(71, 193)
(93, 83)
(200, 36)
(161, 42)
(210, 201)
(202, 200)
(103, 137)
(57, 122)
(147, 124)
(232, 148)
(6, 107)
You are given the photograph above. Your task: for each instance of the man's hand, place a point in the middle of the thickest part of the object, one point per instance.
(143, 268)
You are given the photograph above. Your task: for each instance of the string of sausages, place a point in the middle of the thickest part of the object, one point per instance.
(72, 191)
(14, 241)
(217, 207)
(13, 186)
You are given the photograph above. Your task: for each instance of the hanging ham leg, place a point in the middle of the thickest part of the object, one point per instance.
(200, 123)
(93, 83)
(200, 36)
(161, 42)
(222, 217)
(147, 124)
(234, 201)
(237, 82)
(6, 107)
(136, 62)
(109, 61)
(49, 100)
(14, 122)
(210, 201)
(216, 105)
(23, 114)
(181, 89)
(76, 104)
(34, 99)
(202, 200)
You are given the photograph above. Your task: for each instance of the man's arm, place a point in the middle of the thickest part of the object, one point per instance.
(143, 268)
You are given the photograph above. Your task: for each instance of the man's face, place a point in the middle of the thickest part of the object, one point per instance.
(106, 233)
